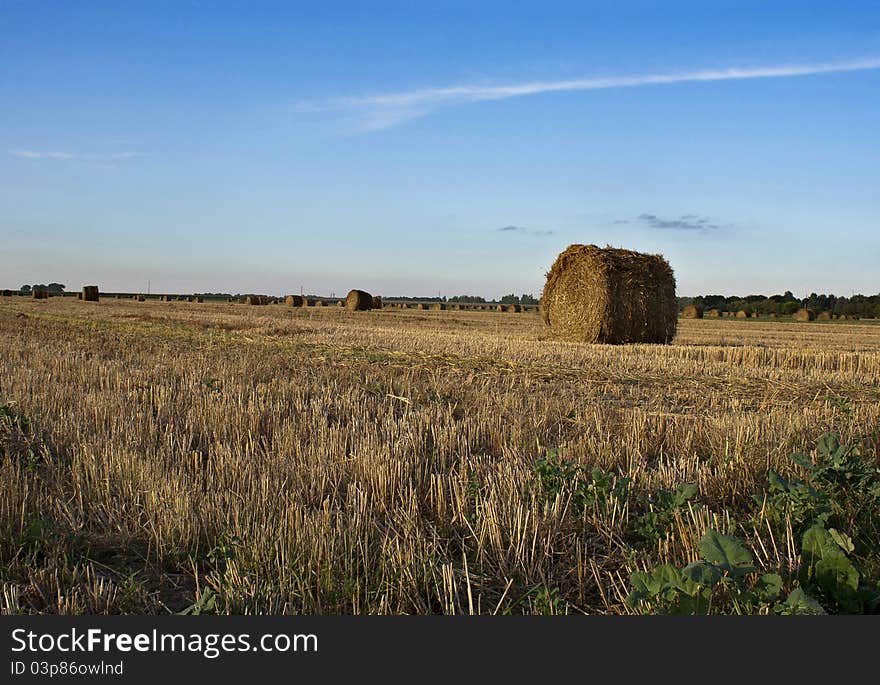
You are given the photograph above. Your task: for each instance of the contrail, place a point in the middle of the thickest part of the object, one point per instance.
(392, 108)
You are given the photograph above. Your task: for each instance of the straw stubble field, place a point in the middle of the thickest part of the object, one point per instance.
(161, 457)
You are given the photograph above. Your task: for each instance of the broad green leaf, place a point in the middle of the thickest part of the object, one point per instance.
(803, 460)
(842, 539)
(702, 573)
(727, 553)
(828, 444)
(686, 492)
(836, 574)
(769, 586)
(816, 544)
(798, 603)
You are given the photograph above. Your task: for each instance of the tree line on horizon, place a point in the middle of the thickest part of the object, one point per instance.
(865, 306)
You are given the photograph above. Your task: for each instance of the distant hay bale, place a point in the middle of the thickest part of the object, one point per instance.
(293, 301)
(199, 299)
(39, 294)
(377, 302)
(7, 293)
(165, 298)
(79, 295)
(358, 301)
(692, 311)
(513, 308)
(320, 303)
(610, 296)
(421, 305)
(90, 293)
(713, 313)
(804, 315)
(438, 306)
(140, 298)
(743, 314)
(256, 300)
(455, 306)
(773, 315)
(823, 316)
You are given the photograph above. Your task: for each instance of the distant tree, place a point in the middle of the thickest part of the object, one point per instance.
(25, 289)
(467, 298)
(509, 299)
(56, 287)
(528, 299)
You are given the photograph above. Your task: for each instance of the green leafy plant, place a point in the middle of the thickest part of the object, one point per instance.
(588, 489)
(661, 509)
(721, 581)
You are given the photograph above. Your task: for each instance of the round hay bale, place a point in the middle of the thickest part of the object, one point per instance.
(39, 294)
(7, 293)
(692, 311)
(773, 315)
(513, 308)
(713, 313)
(358, 301)
(320, 303)
(438, 306)
(293, 301)
(610, 296)
(140, 298)
(823, 316)
(421, 305)
(804, 315)
(90, 293)
(377, 302)
(743, 314)
(256, 299)
(199, 300)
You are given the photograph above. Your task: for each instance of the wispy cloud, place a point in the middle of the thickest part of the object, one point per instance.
(74, 156)
(524, 230)
(380, 111)
(686, 222)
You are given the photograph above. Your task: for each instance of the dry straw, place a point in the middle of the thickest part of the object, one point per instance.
(358, 301)
(90, 293)
(293, 301)
(692, 311)
(804, 315)
(824, 316)
(610, 296)
(742, 314)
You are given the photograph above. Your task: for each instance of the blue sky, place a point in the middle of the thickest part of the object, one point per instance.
(268, 147)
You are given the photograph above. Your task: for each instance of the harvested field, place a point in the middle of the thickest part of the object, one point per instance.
(316, 460)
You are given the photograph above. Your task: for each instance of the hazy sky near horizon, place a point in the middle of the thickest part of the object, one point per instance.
(458, 148)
